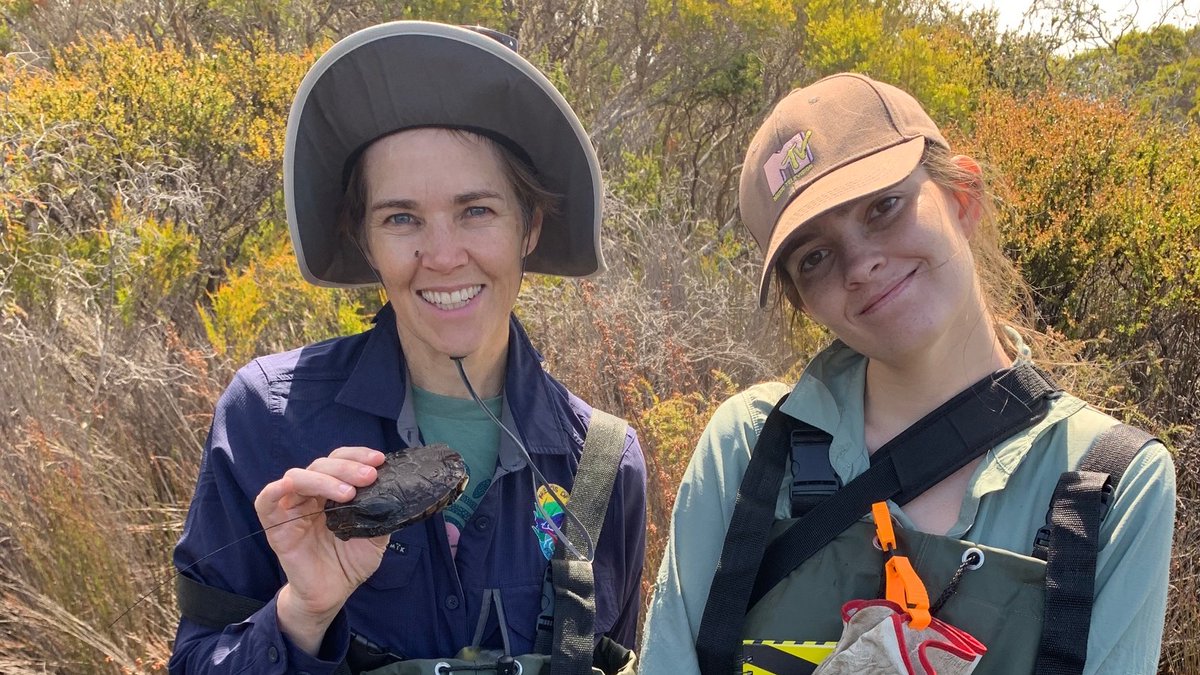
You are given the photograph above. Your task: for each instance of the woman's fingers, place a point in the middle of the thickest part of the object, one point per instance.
(334, 477)
(358, 453)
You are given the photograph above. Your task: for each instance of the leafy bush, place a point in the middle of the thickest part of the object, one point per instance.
(1103, 216)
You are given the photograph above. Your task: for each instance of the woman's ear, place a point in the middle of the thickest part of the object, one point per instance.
(968, 194)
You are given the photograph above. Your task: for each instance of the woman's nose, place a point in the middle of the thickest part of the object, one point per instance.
(443, 249)
(863, 259)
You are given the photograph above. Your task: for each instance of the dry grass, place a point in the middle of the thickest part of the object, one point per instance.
(1181, 637)
(101, 424)
(91, 491)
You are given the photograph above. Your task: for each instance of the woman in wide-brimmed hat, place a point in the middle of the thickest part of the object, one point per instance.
(435, 161)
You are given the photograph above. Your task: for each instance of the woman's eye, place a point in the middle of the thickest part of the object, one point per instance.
(476, 211)
(812, 259)
(400, 219)
(884, 206)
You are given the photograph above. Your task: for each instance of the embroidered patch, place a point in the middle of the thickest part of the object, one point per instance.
(545, 535)
(789, 163)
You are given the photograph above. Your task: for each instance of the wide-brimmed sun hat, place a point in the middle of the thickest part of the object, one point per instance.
(409, 74)
(843, 137)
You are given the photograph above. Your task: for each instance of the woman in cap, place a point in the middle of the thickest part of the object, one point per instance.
(437, 162)
(990, 490)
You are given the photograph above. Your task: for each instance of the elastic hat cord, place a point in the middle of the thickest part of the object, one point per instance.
(536, 477)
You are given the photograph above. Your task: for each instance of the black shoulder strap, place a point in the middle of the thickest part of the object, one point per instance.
(934, 447)
(718, 642)
(1070, 543)
(572, 641)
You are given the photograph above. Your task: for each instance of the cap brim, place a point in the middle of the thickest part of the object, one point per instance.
(410, 74)
(868, 175)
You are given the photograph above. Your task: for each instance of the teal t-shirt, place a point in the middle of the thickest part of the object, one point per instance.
(465, 427)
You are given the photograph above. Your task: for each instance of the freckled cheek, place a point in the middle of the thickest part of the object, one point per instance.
(393, 249)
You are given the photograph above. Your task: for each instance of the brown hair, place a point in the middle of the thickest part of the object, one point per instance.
(1008, 298)
(532, 195)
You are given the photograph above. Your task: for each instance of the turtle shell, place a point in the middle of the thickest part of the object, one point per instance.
(412, 485)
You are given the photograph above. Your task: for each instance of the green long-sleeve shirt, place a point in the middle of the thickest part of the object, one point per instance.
(1005, 504)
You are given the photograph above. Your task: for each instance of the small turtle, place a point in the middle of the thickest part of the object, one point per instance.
(412, 485)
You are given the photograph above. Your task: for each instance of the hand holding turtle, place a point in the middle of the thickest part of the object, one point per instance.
(322, 571)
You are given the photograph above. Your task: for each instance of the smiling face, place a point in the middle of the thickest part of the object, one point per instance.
(891, 274)
(445, 232)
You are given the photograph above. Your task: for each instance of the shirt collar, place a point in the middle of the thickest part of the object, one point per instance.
(379, 385)
(829, 396)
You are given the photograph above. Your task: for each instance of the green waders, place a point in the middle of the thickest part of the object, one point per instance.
(999, 603)
(779, 587)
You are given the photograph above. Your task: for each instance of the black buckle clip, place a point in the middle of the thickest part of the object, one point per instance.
(1041, 542)
(813, 477)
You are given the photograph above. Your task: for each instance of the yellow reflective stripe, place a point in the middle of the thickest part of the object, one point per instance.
(813, 652)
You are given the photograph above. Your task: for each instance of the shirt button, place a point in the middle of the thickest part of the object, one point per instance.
(451, 602)
(482, 522)
(273, 654)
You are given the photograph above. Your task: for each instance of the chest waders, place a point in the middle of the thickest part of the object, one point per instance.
(565, 642)
(776, 598)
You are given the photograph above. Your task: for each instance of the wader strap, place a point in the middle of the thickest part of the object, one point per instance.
(1081, 500)
(745, 541)
(936, 446)
(921, 456)
(813, 477)
(571, 644)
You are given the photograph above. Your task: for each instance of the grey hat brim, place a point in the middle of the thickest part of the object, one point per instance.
(410, 74)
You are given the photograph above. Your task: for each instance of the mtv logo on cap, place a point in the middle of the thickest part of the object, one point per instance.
(790, 162)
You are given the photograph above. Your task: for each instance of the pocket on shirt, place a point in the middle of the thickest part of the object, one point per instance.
(400, 561)
(527, 601)
(606, 612)
(522, 604)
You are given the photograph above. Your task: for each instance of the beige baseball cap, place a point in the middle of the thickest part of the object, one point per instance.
(838, 139)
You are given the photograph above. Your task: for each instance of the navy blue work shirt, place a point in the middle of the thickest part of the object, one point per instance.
(285, 410)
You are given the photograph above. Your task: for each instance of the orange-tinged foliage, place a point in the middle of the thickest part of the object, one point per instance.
(1102, 214)
(1097, 197)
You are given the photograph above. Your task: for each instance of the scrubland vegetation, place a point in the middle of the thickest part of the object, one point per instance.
(144, 254)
